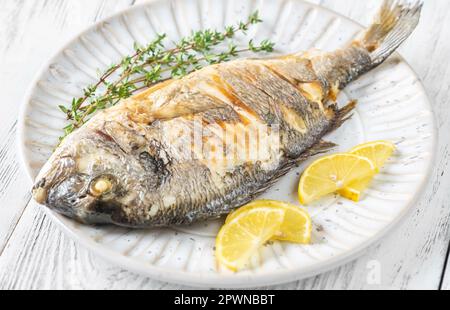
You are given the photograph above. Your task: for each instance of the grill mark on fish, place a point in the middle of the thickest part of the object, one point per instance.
(292, 100)
(272, 68)
(302, 85)
(258, 103)
(147, 93)
(293, 96)
(186, 103)
(104, 135)
(296, 71)
(125, 138)
(227, 90)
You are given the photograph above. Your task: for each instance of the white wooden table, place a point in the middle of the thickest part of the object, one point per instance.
(35, 254)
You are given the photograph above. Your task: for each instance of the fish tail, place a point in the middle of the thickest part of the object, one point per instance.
(394, 23)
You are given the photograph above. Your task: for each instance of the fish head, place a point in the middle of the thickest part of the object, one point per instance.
(84, 179)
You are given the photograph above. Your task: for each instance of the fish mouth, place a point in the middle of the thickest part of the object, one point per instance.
(39, 192)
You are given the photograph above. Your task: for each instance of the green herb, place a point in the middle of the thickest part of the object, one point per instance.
(154, 63)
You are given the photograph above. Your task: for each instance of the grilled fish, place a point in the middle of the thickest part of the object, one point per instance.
(196, 148)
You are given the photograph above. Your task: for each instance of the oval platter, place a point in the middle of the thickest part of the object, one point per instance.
(392, 106)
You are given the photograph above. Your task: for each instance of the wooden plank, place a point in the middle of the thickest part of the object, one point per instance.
(38, 255)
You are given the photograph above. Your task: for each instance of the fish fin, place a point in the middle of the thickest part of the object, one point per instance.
(343, 115)
(394, 23)
(320, 147)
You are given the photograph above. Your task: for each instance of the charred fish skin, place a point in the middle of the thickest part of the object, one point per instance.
(190, 149)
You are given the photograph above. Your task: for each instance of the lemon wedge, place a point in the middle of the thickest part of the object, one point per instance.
(296, 226)
(332, 173)
(378, 152)
(241, 238)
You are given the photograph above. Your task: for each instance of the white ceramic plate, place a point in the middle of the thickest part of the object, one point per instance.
(393, 106)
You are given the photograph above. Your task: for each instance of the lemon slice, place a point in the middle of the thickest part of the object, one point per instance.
(296, 226)
(240, 239)
(331, 174)
(378, 152)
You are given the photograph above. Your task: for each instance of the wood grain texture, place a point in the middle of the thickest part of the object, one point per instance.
(35, 254)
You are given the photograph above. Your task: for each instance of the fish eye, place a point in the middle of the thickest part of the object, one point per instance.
(102, 185)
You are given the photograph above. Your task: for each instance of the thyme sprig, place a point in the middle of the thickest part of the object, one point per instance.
(154, 63)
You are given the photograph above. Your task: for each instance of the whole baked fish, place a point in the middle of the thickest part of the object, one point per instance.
(197, 148)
